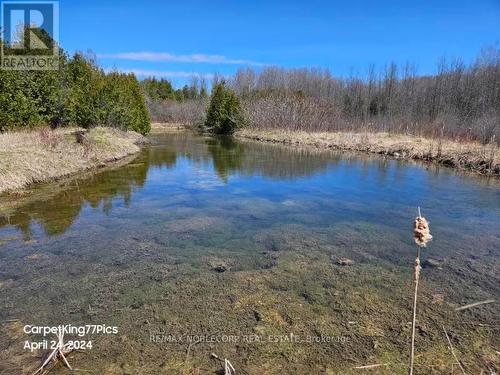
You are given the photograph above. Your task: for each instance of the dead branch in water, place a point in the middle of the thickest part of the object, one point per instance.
(188, 352)
(371, 366)
(474, 304)
(59, 353)
(228, 367)
(9, 321)
(453, 351)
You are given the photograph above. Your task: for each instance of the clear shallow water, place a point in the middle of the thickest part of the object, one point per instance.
(137, 247)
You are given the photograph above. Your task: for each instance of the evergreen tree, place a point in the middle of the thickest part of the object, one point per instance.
(158, 89)
(85, 83)
(224, 113)
(77, 93)
(203, 93)
(185, 92)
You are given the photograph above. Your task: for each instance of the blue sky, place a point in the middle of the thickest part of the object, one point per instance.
(177, 38)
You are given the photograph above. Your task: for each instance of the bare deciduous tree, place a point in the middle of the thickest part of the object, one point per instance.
(460, 101)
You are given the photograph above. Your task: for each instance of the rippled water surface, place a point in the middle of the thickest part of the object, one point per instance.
(216, 238)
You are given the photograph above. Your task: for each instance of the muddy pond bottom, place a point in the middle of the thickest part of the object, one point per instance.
(283, 261)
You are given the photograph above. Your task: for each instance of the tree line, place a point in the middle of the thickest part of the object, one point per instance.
(459, 101)
(162, 89)
(78, 93)
(183, 105)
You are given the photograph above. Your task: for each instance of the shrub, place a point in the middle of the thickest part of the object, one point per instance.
(141, 122)
(224, 114)
(85, 83)
(123, 104)
(78, 93)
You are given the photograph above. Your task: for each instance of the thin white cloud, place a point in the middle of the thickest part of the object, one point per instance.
(161, 73)
(170, 57)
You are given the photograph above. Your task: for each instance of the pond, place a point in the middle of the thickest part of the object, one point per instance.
(203, 245)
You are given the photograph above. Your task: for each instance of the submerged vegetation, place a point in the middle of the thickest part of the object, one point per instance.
(258, 236)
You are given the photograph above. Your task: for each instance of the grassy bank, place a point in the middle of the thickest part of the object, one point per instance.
(29, 157)
(167, 127)
(465, 155)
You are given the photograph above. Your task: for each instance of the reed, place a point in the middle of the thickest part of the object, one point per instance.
(421, 235)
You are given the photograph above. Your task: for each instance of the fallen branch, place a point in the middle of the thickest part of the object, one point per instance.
(371, 366)
(59, 353)
(228, 367)
(188, 351)
(475, 304)
(481, 325)
(9, 321)
(453, 351)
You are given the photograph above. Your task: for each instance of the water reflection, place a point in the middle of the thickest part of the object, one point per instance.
(142, 244)
(227, 155)
(56, 210)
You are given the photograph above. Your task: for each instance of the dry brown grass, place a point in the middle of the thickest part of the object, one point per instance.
(167, 127)
(35, 156)
(473, 156)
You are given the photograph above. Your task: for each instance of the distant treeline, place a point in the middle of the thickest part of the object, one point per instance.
(78, 93)
(461, 101)
(458, 101)
(162, 89)
(184, 105)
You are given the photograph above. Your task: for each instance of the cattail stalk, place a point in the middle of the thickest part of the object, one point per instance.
(421, 235)
(416, 277)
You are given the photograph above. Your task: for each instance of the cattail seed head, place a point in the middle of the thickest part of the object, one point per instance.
(421, 231)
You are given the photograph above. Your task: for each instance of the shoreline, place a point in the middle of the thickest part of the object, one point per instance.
(167, 127)
(28, 158)
(470, 156)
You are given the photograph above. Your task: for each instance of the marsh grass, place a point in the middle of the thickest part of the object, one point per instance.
(28, 157)
(474, 156)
